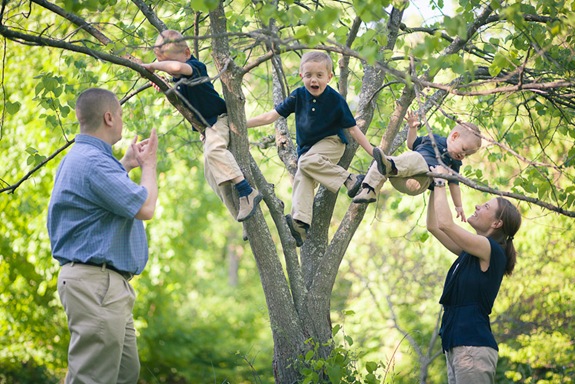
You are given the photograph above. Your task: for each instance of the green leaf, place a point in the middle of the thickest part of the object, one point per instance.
(204, 5)
(423, 237)
(335, 329)
(309, 355)
(349, 312)
(371, 366)
(12, 108)
(455, 26)
(334, 373)
(348, 340)
(371, 10)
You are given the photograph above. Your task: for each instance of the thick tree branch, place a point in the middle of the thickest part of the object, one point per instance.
(48, 42)
(74, 19)
(344, 61)
(333, 254)
(150, 15)
(533, 87)
(493, 191)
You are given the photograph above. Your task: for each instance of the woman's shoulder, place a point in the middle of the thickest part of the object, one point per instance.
(497, 252)
(495, 246)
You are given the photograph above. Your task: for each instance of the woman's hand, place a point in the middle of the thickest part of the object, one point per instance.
(439, 181)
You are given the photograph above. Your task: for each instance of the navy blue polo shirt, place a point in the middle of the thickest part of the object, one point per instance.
(423, 145)
(468, 297)
(317, 117)
(203, 97)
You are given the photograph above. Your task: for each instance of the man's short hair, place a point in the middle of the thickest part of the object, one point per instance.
(91, 106)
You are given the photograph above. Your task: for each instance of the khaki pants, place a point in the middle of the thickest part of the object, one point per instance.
(98, 303)
(410, 178)
(471, 365)
(317, 166)
(220, 166)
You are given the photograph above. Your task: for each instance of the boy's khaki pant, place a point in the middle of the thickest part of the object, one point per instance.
(98, 303)
(410, 178)
(471, 365)
(317, 166)
(220, 166)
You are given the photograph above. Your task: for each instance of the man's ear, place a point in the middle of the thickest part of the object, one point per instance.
(108, 118)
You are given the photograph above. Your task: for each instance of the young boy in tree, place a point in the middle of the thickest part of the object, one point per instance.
(321, 115)
(408, 170)
(220, 166)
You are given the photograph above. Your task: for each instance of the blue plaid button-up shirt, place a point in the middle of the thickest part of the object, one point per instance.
(92, 209)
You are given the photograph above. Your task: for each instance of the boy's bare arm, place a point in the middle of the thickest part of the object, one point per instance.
(412, 124)
(263, 119)
(172, 67)
(358, 136)
(456, 197)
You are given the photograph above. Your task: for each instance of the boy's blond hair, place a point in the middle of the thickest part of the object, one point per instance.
(317, 57)
(469, 131)
(170, 42)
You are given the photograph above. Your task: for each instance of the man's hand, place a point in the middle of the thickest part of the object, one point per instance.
(129, 160)
(146, 151)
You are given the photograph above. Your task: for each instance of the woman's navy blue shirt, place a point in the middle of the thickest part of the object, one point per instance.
(468, 297)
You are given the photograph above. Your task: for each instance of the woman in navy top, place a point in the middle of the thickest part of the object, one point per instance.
(473, 281)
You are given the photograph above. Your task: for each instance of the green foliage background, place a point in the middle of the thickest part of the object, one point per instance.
(199, 319)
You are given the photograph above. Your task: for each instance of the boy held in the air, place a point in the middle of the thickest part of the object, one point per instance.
(407, 172)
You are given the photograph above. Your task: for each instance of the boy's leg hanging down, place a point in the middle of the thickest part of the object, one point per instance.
(221, 171)
(249, 200)
(373, 182)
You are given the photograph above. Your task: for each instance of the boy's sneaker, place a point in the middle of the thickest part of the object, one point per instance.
(383, 164)
(366, 196)
(248, 205)
(353, 184)
(298, 230)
